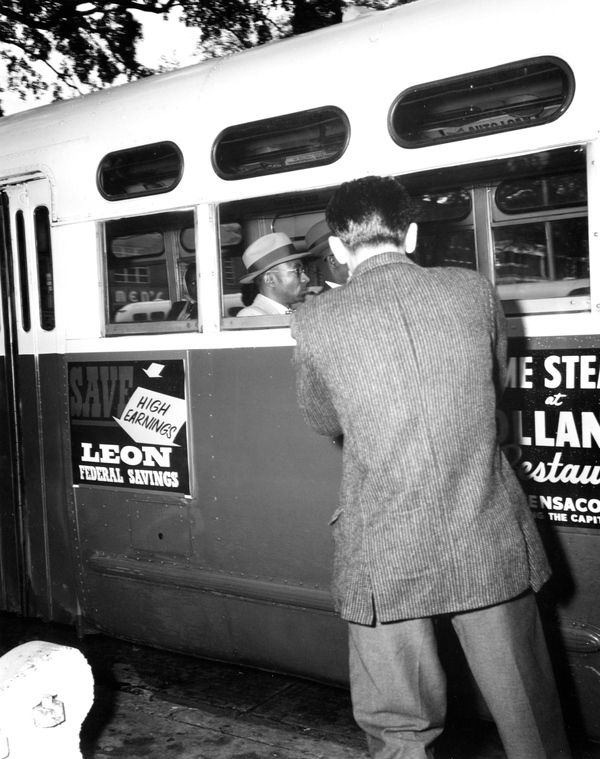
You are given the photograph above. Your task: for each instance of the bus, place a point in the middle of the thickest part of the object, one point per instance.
(158, 483)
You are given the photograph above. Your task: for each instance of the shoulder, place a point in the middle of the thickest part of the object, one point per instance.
(176, 309)
(459, 280)
(258, 307)
(318, 314)
(252, 311)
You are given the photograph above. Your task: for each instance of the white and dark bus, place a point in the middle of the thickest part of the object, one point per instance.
(157, 481)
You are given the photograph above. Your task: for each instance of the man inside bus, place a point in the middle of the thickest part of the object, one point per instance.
(408, 364)
(183, 310)
(317, 243)
(274, 265)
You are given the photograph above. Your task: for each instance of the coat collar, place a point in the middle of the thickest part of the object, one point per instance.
(382, 259)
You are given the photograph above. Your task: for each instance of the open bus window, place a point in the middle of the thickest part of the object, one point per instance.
(284, 143)
(446, 231)
(245, 221)
(151, 278)
(521, 220)
(41, 220)
(446, 247)
(514, 96)
(139, 171)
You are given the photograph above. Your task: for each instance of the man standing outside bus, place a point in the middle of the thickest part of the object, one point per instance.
(408, 364)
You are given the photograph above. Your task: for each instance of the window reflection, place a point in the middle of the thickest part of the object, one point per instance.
(443, 247)
(545, 192)
(284, 143)
(517, 95)
(41, 220)
(140, 170)
(542, 259)
(23, 273)
(151, 282)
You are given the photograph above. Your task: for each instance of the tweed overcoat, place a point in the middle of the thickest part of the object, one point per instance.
(408, 364)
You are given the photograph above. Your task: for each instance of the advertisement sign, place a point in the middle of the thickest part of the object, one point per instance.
(549, 428)
(128, 425)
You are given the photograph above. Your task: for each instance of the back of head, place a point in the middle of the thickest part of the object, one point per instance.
(369, 212)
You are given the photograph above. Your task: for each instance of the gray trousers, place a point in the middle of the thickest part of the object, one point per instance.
(399, 687)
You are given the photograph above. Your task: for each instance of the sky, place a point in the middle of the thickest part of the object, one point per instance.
(170, 39)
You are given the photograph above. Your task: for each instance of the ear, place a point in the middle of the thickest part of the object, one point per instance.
(411, 238)
(339, 250)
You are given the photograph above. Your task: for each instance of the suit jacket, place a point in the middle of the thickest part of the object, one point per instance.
(178, 310)
(408, 363)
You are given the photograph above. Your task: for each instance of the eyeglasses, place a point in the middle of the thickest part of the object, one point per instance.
(298, 269)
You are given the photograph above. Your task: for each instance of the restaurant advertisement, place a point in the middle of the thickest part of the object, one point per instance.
(549, 428)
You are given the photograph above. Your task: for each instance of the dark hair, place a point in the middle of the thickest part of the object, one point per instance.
(370, 211)
(190, 274)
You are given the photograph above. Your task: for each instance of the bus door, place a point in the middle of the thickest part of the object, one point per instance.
(33, 409)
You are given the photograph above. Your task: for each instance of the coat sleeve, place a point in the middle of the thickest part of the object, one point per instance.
(314, 398)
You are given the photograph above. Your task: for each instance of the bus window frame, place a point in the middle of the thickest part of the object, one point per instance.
(262, 212)
(23, 269)
(145, 192)
(481, 181)
(491, 129)
(44, 260)
(174, 281)
(556, 304)
(229, 176)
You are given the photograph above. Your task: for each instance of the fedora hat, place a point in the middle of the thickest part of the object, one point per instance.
(267, 252)
(317, 238)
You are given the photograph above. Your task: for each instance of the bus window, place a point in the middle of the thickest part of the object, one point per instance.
(446, 236)
(41, 221)
(244, 222)
(446, 247)
(140, 171)
(520, 94)
(150, 267)
(521, 221)
(542, 259)
(284, 143)
(524, 226)
(540, 231)
(23, 274)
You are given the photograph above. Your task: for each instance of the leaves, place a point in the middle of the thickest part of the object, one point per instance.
(70, 47)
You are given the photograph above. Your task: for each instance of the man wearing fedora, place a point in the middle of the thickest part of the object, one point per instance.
(273, 264)
(317, 243)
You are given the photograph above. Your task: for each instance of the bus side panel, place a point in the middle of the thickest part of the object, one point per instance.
(50, 581)
(571, 608)
(240, 570)
(261, 471)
